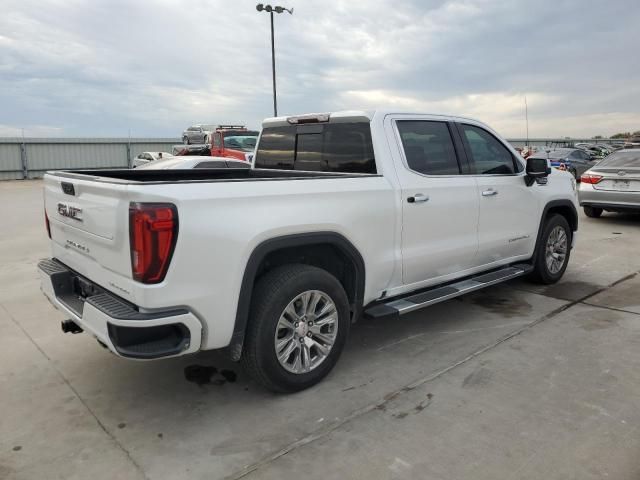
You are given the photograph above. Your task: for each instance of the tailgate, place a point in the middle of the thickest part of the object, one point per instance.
(90, 228)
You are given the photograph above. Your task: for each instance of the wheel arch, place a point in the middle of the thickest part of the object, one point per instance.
(330, 251)
(566, 208)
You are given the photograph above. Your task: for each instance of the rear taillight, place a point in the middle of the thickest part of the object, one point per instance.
(590, 178)
(46, 223)
(153, 231)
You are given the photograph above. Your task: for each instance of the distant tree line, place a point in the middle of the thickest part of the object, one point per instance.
(623, 135)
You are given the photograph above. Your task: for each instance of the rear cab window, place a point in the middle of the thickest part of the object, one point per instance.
(322, 147)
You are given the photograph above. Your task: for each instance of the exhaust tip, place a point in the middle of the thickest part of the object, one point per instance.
(69, 326)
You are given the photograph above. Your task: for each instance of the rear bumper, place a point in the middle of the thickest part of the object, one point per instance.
(608, 199)
(119, 325)
(612, 207)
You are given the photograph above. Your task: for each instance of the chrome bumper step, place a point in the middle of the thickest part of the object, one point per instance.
(400, 306)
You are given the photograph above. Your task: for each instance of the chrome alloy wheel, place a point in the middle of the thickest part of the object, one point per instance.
(306, 331)
(556, 249)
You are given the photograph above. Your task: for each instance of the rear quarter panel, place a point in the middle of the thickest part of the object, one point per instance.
(222, 223)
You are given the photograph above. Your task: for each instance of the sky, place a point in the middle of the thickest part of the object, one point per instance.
(150, 68)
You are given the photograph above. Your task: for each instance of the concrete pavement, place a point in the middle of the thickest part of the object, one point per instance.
(517, 381)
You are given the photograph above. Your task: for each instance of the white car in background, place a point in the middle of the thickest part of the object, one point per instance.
(147, 157)
(189, 162)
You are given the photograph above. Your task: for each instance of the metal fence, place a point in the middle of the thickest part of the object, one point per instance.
(30, 157)
(22, 158)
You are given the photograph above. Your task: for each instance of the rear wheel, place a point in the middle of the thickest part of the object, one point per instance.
(592, 212)
(299, 321)
(552, 254)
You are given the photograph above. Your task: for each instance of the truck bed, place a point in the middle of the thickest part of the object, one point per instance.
(196, 175)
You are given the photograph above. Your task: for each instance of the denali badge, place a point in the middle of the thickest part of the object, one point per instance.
(70, 212)
(79, 246)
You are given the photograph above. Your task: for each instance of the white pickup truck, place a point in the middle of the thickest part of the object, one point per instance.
(342, 216)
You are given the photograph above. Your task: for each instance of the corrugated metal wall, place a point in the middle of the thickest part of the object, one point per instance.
(32, 157)
(10, 161)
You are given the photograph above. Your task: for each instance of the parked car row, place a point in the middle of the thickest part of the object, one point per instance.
(575, 160)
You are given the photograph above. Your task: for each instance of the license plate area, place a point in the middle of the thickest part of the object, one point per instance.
(621, 185)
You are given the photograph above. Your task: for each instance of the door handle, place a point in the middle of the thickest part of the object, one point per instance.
(489, 193)
(418, 198)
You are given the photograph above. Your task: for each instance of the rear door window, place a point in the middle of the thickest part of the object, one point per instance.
(428, 147)
(329, 147)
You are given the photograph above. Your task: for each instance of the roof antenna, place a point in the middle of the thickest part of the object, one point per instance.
(526, 116)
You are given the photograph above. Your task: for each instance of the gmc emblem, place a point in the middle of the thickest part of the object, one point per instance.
(70, 212)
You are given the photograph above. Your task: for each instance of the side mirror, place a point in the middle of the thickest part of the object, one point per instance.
(537, 168)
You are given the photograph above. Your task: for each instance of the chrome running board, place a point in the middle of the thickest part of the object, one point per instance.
(402, 305)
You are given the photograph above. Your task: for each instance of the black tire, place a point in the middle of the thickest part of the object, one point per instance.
(272, 293)
(541, 272)
(592, 212)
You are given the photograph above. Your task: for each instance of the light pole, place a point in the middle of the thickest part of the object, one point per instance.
(268, 8)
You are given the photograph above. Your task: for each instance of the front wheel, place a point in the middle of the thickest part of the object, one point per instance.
(552, 253)
(298, 325)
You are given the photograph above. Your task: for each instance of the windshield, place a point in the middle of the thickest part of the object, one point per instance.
(622, 159)
(246, 143)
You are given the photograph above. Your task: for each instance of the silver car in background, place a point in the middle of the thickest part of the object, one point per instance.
(198, 134)
(613, 184)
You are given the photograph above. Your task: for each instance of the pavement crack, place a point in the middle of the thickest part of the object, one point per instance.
(382, 404)
(75, 392)
(613, 309)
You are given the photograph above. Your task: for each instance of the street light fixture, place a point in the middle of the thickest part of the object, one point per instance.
(277, 9)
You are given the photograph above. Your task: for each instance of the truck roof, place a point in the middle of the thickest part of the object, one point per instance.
(344, 116)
